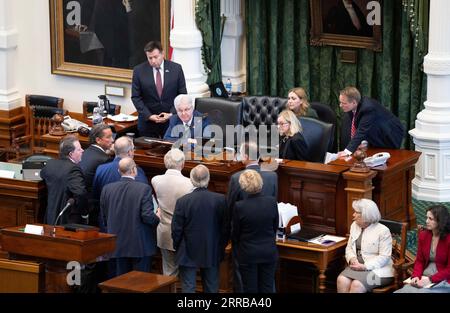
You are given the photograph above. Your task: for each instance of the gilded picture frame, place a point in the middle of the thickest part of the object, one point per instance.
(104, 39)
(347, 23)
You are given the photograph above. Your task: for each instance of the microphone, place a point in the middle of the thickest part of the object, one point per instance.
(364, 144)
(69, 203)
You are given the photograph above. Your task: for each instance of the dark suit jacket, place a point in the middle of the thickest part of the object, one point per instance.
(198, 121)
(338, 21)
(255, 224)
(294, 148)
(442, 257)
(235, 193)
(374, 123)
(145, 97)
(127, 208)
(109, 173)
(64, 180)
(197, 229)
(91, 159)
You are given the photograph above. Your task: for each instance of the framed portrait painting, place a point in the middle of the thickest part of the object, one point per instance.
(347, 23)
(105, 39)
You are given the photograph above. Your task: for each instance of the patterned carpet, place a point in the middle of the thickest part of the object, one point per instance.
(420, 211)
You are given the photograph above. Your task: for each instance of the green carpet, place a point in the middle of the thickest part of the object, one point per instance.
(420, 211)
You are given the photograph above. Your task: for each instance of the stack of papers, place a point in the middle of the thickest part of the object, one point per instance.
(286, 212)
(122, 117)
(408, 281)
(326, 240)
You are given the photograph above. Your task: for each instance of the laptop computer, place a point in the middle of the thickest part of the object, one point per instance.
(305, 235)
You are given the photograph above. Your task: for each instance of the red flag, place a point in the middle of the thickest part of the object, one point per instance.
(171, 27)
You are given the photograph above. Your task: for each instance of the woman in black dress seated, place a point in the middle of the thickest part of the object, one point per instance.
(293, 145)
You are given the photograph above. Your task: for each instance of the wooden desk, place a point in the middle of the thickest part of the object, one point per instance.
(320, 256)
(21, 201)
(54, 251)
(220, 173)
(140, 282)
(392, 184)
(51, 143)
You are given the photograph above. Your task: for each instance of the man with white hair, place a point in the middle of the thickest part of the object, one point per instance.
(188, 122)
(197, 233)
(168, 189)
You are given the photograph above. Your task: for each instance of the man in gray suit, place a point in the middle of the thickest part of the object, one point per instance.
(250, 157)
(168, 189)
(128, 210)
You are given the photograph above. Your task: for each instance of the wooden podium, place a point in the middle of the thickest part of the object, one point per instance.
(55, 250)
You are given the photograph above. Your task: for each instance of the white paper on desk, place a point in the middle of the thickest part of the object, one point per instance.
(286, 212)
(122, 117)
(326, 240)
(408, 281)
(7, 174)
(330, 157)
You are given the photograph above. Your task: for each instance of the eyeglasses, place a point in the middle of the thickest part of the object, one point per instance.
(281, 124)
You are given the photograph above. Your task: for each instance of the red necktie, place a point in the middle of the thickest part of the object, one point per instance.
(159, 86)
(353, 131)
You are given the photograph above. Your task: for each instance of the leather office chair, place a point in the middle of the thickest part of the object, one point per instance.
(398, 232)
(47, 101)
(88, 108)
(318, 136)
(327, 115)
(262, 110)
(221, 112)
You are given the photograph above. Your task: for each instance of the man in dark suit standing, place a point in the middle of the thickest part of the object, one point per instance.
(250, 157)
(65, 180)
(99, 152)
(197, 233)
(367, 120)
(155, 85)
(127, 208)
(109, 172)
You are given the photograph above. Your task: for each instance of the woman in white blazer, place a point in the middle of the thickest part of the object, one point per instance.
(368, 251)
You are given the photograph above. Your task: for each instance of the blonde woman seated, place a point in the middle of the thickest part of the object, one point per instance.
(298, 103)
(368, 251)
(293, 145)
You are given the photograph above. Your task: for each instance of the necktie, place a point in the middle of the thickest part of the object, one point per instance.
(353, 131)
(159, 86)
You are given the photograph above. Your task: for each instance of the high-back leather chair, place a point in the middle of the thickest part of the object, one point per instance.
(221, 112)
(46, 101)
(88, 108)
(327, 115)
(39, 110)
(318, 136)
(262, 110)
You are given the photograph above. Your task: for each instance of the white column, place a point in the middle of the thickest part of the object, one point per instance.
(233, 45)
(432, 132)
(186, 41)
(9, 94)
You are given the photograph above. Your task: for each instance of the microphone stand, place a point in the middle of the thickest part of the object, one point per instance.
(69, 204)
